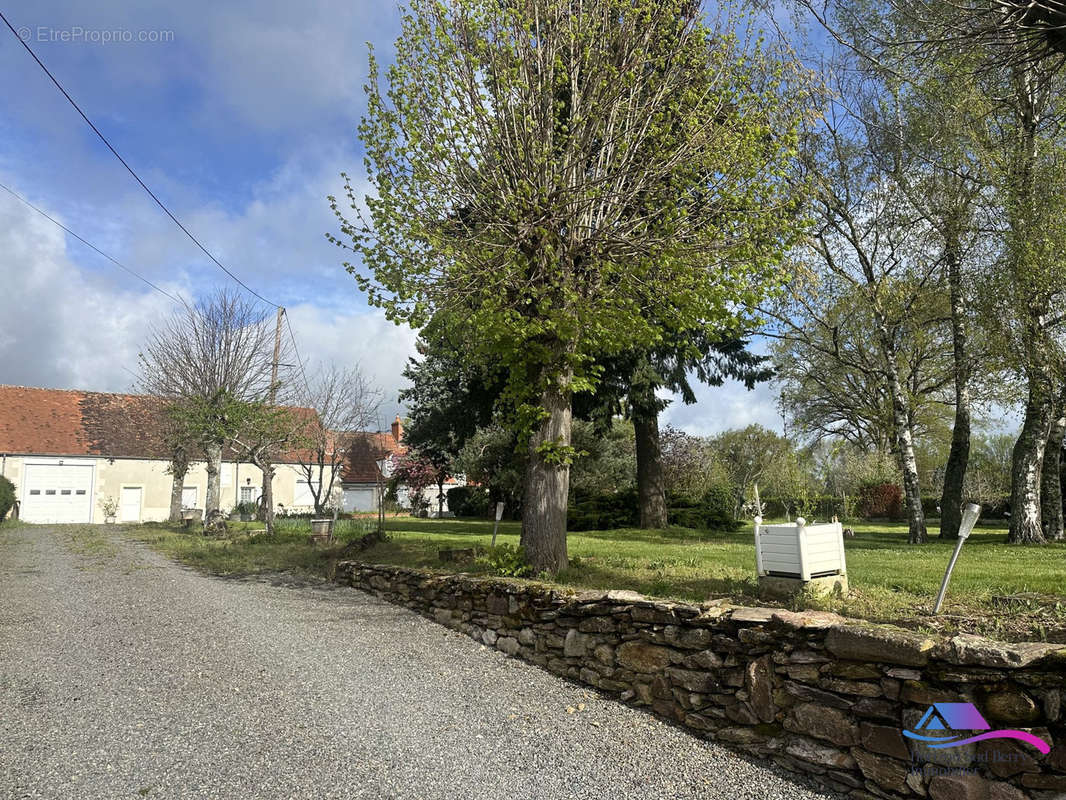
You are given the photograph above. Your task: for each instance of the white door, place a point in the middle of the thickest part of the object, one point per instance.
(129, 504)
(189, 496)
(57, 493)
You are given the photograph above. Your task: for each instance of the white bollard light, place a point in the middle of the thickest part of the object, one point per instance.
(970, 513)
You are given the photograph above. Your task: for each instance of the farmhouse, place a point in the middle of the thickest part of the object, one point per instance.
(69, 453)
(369, 465)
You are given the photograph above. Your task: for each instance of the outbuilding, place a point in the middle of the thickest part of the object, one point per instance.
(75, 455)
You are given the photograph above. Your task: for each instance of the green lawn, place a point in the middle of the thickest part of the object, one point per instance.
(996, 589)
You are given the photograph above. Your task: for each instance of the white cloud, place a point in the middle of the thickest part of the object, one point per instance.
(66, 328)
(363, 338)
(720, 408)
(69, 327)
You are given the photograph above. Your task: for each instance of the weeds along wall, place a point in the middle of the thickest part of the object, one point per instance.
(818, 694)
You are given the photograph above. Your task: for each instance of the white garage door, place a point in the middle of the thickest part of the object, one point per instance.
(360, 499)
(57, 493)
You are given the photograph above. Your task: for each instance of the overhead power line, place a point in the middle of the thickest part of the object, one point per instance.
(90, 245)
(299, 359)
(124, 163)
(154, 197)
(151, 194)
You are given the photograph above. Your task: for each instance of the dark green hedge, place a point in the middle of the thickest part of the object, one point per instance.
(7, 496)
(998, 509)
(469, 501)
(621, 510)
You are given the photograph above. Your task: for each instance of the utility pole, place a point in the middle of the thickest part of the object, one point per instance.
(267, 465)
(277, 357)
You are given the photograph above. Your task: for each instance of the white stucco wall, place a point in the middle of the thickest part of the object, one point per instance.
(111, 475)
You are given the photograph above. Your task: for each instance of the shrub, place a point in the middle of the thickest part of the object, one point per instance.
(621, 510)
(469, 501)
(506, 560)
(603, 512)
(996, 509)
(7, 496)
(880, 501)
(717, 508)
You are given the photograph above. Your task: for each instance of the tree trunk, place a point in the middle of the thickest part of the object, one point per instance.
(651, 491)
(440, 498)
(548, 483)
(307, 473)
(1027, 463)
(214, 483)
(1062, 493)
(912, 488)
(176, 488)
(1051, 479)
(959, 455)
(268, 494)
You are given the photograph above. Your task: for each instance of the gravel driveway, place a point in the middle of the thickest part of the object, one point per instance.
(125, 675)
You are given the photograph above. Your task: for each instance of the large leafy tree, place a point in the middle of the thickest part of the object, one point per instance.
(558, 176)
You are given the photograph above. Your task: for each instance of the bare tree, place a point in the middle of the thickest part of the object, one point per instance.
(345, 403)
(209, 361)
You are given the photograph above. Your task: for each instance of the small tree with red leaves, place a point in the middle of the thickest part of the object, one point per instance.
(416, 472)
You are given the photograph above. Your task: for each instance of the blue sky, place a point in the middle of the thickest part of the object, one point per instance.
(241, 118)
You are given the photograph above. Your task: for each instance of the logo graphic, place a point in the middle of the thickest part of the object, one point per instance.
(950, 718)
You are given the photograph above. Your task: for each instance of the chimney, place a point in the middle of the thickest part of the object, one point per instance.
(397, 429)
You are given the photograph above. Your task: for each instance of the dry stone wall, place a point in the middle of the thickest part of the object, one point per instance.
(818, 694)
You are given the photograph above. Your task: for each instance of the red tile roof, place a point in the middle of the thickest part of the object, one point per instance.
(366, 450)
(75, 423)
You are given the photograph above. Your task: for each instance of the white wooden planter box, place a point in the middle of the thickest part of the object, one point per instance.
(798, 550)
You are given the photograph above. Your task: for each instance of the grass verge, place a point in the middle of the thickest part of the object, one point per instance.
(999, 590)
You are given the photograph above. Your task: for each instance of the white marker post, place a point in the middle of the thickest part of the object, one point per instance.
(496, 525)
(970, 513)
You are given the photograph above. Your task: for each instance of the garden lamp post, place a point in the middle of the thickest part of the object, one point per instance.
(970, 513)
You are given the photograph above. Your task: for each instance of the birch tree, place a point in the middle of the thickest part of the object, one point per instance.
(870, 245)
(1024, 296)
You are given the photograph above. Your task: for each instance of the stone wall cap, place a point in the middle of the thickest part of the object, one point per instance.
(846, 638)
(811, 620)
(969, 650)
(752, 615)
(624, 596)
(880, 643)
(587, 597)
